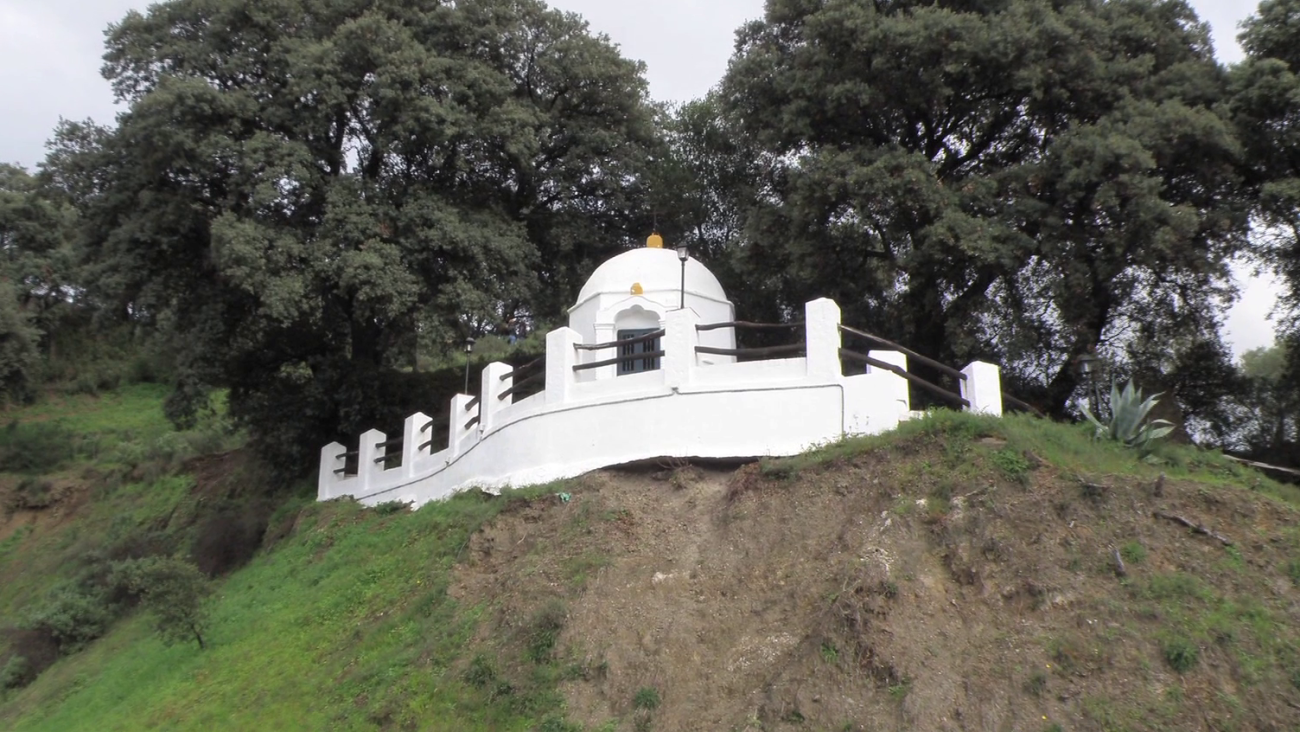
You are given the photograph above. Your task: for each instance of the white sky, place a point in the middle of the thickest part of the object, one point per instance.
(50, 57)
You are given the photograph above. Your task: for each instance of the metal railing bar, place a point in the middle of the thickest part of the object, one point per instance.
(612, 344)
(426, 445)
(526, 367)
(1021, 404)
(937, 390)
(427, 426)
(769, 351)
(471, 404)
(473, 421)
(388, 443)
(909, 352)
(387, 458)
(1263, 466)
(747, 324)
(342, 470)
(346, 455)
(617, 360)
(522, 385)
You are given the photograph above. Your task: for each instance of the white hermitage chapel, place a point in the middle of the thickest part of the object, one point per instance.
(647, 368)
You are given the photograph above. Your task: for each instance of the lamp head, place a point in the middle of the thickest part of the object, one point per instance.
(469, 344)
(683, 252)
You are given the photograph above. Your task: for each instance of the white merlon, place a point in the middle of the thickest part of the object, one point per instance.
(982, 387)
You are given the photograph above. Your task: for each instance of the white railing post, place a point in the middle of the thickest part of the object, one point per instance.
(458, 415)
(982, 387)
(894, 384)
(328, 479)
(679, 341)
(822, 326)
(414, 435)
(561, 357)
(367, 469)
(490, 402)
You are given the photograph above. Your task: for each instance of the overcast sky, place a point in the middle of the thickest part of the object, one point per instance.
(50, 58)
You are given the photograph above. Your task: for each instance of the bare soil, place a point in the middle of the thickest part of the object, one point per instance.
(870, 594)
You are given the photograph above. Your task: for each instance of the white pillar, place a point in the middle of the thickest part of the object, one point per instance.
(412, 437)
(330, 461)
(367, 469)
(561, 357)
(822, 326)
(490, 401)
(893, 384)
(982, 387)
(679, 341)
(458, 415)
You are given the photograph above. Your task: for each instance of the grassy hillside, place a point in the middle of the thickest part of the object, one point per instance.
(961, 574)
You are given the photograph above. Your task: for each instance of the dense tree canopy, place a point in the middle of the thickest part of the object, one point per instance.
(1266, 106)
(298, 187)
(303, 193)
(1015, 180)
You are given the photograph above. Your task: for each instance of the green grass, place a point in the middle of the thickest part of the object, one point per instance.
(1068, 448)
(347, 625)
(121, 429)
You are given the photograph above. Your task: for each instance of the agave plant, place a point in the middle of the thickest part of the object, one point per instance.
(1128, 419)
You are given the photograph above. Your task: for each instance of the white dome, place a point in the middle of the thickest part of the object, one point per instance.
(656, 270)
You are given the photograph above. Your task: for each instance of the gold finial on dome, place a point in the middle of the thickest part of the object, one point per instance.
(654, 241)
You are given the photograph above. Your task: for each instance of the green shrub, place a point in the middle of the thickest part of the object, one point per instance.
(1180, 652)
(15, 673)
(544, 632)
(558, 724)
(1133, 552)
(647, 698)
(1013, 463)
(31, 494)
(389, 508)
(1128, 415)
(73, 616)
(35, 446)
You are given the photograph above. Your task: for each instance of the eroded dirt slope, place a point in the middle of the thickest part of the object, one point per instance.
(920, 587)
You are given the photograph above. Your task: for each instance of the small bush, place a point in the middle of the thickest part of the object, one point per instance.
(31, 494)
(35, 447)
(72, 616)
(544, 632)
(777, 469)
(1180, 653)
(558, 724)
(391, 507)
(480, 672)
(1133, 552)
(1036, 684)
(647, 698)
(37, 648)
(1013, 463)
(15, 673)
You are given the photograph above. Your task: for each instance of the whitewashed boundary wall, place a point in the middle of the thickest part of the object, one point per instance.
(685, 409)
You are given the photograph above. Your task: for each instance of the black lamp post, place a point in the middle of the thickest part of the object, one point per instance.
(1090, 367)
(469, 348)
(683, 253)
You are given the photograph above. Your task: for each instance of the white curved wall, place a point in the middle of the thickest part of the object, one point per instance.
(688, 408)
